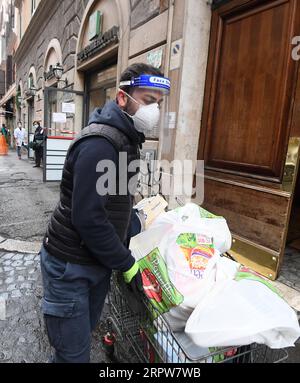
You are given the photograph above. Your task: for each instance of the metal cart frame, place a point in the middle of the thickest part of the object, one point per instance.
(143, 335)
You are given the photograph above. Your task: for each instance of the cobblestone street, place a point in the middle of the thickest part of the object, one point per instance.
(18, 274)
(23, 336)
(26, 205)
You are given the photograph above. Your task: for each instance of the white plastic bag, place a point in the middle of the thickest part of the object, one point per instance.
(240, 313)
(183, 243)
(192, 218)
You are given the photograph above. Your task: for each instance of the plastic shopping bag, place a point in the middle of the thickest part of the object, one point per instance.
(242, 311)
(178, 268)
(194, 219)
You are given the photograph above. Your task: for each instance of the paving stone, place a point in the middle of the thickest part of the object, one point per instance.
(10, 273)
(7, 256)
(20, 268)
(16, 294)
(9, 280)
(11, 287)
(18, 257)
(28, 263)
(21, 278)
(17, 263)
(7, 263)
(31, 271)
(7, 268)
(26, 285)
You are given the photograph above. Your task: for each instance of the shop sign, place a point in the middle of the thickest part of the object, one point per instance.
(98, 44)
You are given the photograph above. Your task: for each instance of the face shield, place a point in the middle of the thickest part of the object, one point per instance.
(147, 117)
(148, 81)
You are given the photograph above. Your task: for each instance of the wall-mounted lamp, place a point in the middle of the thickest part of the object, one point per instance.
(32, 90)
(58, 72)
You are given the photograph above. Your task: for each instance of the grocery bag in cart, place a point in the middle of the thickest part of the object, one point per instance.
(177, 256)
(243, 310)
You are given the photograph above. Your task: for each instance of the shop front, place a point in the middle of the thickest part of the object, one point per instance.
(98, 51)
(63, 115)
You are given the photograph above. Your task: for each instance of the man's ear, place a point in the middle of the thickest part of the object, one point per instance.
(122, 99)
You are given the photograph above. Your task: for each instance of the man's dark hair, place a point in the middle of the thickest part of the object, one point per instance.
(135, 70)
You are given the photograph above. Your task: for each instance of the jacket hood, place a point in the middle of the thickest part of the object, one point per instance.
(112, 115)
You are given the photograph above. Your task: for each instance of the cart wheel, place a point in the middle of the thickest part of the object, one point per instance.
(108, 343)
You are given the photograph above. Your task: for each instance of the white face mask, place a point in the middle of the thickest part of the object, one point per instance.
(146, 117)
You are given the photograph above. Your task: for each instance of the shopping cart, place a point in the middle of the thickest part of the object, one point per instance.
(140, 334)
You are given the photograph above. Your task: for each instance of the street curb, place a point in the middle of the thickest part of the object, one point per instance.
(18, 246)
(291, 295)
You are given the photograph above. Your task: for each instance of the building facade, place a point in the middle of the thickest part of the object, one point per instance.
(8, 45)
(124, 32)
(234, 102)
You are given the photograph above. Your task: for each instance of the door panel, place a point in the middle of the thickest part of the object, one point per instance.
(256, 215)
(250, 106)
(252, 79)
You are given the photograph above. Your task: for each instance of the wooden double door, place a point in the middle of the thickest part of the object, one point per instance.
(250, 129)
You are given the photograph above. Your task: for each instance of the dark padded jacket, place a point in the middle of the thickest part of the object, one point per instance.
(86, 227)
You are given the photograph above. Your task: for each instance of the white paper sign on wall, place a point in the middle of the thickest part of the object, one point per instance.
(68, 107)
(59, 117)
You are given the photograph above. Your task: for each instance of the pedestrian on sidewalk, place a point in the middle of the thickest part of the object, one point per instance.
(86, 236)
(4, 132)
(38, 143)
(20, 137)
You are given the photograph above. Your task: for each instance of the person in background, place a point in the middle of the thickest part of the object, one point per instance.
(38, 140)
(20, 136)
(4, 131)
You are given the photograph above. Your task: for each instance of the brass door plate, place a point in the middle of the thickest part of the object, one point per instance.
(257, 258)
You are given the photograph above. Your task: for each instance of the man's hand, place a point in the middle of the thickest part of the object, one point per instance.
(133, 279)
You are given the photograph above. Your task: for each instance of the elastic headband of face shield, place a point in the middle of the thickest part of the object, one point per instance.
(149, 81)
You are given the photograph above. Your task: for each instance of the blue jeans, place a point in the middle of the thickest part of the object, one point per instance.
(19, 149)
(73, 299)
